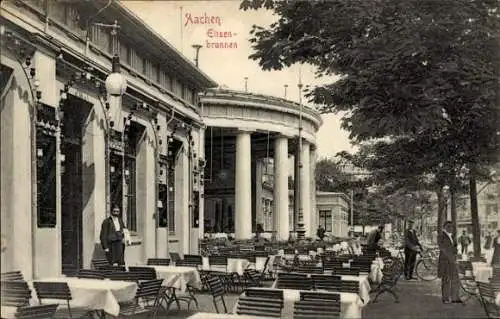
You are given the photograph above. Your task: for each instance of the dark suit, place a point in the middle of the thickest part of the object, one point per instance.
(411, 246)
(114, 241)
(447, 268)
(372, 241)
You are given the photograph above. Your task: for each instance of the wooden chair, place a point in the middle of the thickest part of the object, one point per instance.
(217, 260)
(265, 293)
(487, 296)
(362, 265)
(346, 271)
(317, 309)
(175, 257)
(146, 299)
(15, 293)
(468, 285)
(190, 261)
(331, 264)
(259, 306)
(143, 273)
(294, 281)
(158, 262)
(390, 277)
(216, 289)
(309, 269)
(327, 282)
(99, 263)
(124, 276)
(32, 312)
(11, 276)
(314, 295)
(59, 291)
(349, 286)
(90, 274)
(106, 269)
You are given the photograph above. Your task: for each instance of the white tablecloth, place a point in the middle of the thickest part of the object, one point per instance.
(8, 312)
(364, 286)
(237, 265)
(211, 315)
(178, 277)
(376, 270)
(482, 271)
(350, 307)
(97, 294)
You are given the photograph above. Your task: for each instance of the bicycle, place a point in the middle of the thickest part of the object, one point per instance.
(427, 266)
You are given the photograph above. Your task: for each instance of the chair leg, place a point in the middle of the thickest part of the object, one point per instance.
(215, 305)
(224, 303)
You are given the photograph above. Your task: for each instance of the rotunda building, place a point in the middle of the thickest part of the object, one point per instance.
(251, 145)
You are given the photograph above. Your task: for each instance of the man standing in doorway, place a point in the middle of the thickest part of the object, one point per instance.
(412, 247)
(113, 238)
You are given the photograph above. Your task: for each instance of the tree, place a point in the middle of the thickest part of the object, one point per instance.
(416, 73)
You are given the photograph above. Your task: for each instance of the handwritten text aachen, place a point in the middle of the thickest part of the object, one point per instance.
(216, 39)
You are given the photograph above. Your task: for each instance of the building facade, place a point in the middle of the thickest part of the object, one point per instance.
(250, 143)
(70, 149)
(333, 213)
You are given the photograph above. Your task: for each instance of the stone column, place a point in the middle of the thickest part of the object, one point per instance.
(243, 186)
(312, 167)
(305, 188)
(281, 211)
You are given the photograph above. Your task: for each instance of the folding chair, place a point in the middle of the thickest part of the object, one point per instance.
(33, 312)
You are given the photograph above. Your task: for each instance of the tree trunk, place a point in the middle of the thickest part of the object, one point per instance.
(476, 231)
(440, 211)
(453, 206)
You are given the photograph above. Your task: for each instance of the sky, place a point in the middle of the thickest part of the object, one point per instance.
(180, 24)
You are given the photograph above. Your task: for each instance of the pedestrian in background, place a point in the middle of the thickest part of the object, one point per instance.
(412, 247)
(495, 260)
(464, 243)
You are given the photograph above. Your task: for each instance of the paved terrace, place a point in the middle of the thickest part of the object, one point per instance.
(418, 300)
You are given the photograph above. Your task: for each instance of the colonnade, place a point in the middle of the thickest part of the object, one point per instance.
(243, 189)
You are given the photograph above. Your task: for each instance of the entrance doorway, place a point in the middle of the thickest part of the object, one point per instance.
(76, 112)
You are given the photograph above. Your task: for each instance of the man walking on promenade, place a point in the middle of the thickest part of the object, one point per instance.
(464, 243)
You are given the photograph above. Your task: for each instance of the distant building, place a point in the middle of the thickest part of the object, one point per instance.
(333, 212)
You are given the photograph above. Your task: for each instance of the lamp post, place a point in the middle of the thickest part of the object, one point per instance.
(286, 87)
(197, 48)
(246, 83)
(298, 193)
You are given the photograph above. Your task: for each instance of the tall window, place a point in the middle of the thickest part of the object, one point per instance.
(325, 219)
(171, 196)
(46, 179)
(116, 181)
(132, 137)
(163, 195)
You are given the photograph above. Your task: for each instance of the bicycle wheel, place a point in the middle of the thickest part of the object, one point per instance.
(426, 269)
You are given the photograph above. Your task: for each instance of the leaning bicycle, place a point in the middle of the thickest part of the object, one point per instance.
(426, 268)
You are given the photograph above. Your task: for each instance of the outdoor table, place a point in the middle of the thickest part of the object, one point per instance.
(178, 277)
(350, 303)
(8, 312)
(482, 271)
(211, 315)
(234, 265)
(97, 294)
(364, 286)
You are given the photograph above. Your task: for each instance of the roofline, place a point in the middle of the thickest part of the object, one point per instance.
(195, 71)
(282, 101)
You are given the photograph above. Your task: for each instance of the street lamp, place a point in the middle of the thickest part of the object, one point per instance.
(300, 224)
(286, 87)
(246, 83)
(197, 47)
